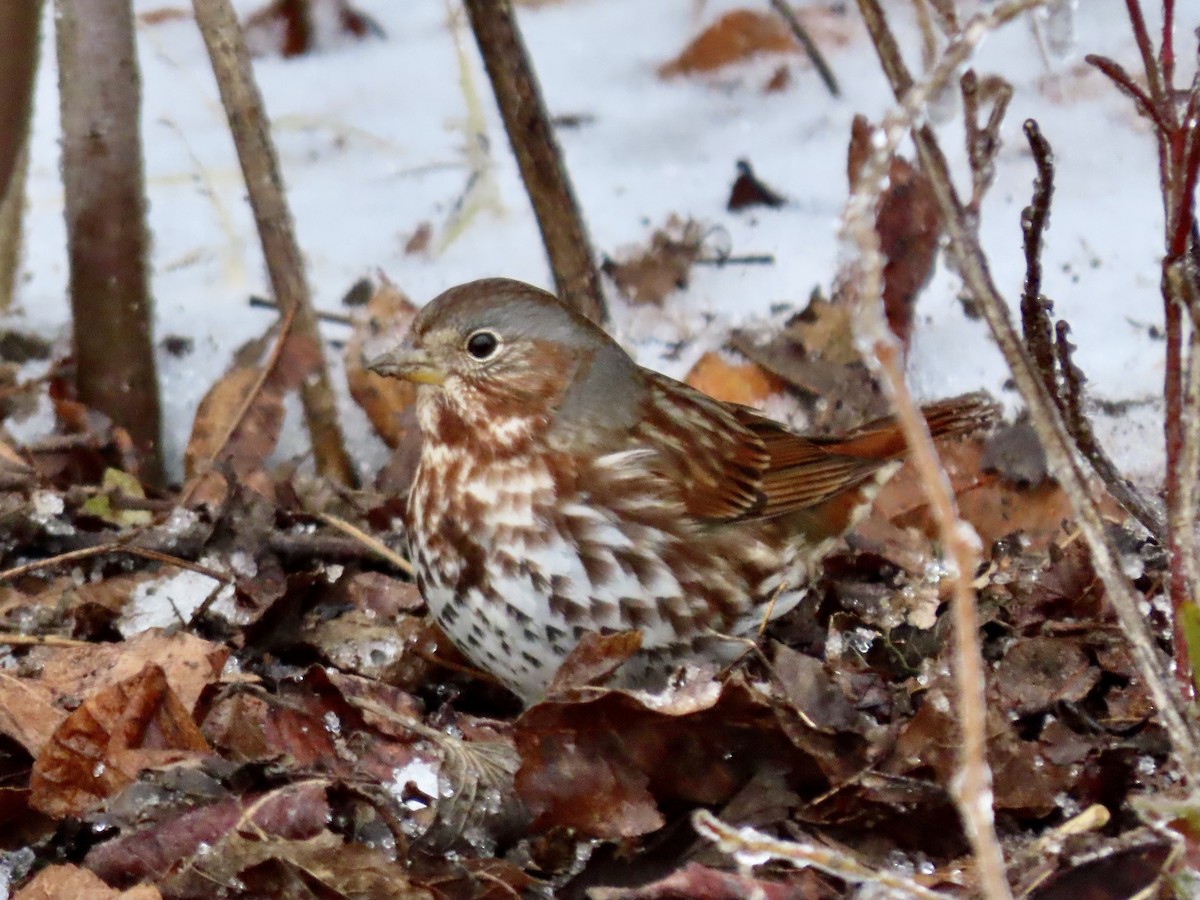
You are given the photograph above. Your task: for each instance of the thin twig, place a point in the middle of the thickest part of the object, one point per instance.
(810, 46)
(73, 556)
(983, 141)
(539, 158)
(973, 269)
(41, 640)
(753, 259)
(368, 541)
(753, 846)
(264, 185)
(1035, 308)
(972, 785)
(1051, 350)
(323, 315)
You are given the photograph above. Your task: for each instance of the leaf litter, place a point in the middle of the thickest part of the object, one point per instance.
(293, 726)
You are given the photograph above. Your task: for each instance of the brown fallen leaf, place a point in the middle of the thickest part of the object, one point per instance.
(650, 275)
(28, 714)
(68, 882)
(99, 748)
(909, 227)
(594, 658)
(190, 664)
(745, 383)
(736, 36)
(385, 318)
(253, 439)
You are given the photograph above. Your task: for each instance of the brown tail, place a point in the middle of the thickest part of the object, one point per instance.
(859, 462)
(961, 415)
(882, 439)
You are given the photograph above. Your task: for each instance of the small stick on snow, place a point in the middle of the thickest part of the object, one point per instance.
(264, 185)
(810, 46)
(539, 158)
(753, 847)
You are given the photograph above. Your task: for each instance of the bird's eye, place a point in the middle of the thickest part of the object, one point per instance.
(482, 344)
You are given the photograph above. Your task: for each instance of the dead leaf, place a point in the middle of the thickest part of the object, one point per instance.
(744, 383)
(748, 191)
(909, 226)
(27, 712)
(378, 326)
(1038, 672)
(99, 748)
(652, 274)
(254, 438)
(418, 242)
(736, 36)
(67, 882)
(594, 659)
(290, 28)
(190, 663)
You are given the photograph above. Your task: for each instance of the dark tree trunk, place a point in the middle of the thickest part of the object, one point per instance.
(18, 66)
(100, 102)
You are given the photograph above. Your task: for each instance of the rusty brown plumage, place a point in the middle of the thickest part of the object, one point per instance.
(563, 489)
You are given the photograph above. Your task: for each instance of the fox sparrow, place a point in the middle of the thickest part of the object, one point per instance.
(562, 489)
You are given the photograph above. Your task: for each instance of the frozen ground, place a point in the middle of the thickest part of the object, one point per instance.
(373, 142)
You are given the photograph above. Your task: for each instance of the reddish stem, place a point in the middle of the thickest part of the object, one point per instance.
(1166, 52)
(1130, 88)
(1158, 92)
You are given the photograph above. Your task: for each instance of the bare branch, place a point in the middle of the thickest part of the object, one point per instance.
(810, 46)
(983, 142)
(100, 106)
(539, 158)
(19, 38)
(264, 185)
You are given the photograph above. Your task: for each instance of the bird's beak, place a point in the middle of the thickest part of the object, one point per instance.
(408, 362)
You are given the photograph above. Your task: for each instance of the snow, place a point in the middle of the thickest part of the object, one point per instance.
(168, 601)
(373, 141)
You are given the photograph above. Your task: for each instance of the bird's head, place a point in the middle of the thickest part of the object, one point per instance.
(508, 360)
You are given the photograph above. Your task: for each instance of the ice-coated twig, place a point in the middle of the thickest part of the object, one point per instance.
(751, 846)
(972, 785)
(1050, 349)
(973, 268)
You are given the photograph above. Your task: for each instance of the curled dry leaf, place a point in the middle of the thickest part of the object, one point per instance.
(99, 748)
(67, 882)
(594, 659)
(252, 441)
(909, 227)
(190, 664)
(746, 383)
(384, 320)
(736, 36)
(649, 275)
